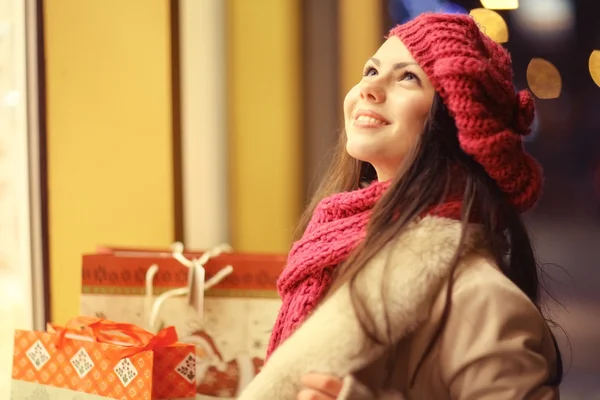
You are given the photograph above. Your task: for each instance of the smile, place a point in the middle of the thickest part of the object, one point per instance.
(369, 119)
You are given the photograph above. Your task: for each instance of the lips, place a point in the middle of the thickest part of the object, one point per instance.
(369, 118)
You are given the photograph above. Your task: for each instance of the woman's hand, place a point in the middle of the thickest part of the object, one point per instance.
(320, 387)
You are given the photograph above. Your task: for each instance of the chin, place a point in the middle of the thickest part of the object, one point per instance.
(367, 152)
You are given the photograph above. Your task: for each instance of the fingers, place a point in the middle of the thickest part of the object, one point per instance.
(326, 384)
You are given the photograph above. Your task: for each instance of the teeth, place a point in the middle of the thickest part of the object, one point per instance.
(369, 120)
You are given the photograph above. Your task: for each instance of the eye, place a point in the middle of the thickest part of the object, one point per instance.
(409, 76)
(369, 71)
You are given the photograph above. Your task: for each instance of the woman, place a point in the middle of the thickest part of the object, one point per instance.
(414, 276)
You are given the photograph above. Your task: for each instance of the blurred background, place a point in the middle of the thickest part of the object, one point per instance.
(142, 122)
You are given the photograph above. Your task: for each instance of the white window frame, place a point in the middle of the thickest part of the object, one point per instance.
(21, 242)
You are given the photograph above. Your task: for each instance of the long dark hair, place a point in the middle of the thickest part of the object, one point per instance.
(421, 184)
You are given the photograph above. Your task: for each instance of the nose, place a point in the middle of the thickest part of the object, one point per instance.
(372, 91)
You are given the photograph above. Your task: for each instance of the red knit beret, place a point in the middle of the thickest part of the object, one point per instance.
(473, 75)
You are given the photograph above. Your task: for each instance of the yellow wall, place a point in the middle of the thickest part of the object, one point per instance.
(265, 115)
(360, 23)
(109, 133)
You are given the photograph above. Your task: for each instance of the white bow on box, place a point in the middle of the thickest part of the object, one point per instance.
(195, 288)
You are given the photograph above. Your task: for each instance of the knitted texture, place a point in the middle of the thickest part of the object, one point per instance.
(473, 75)
(337, 227)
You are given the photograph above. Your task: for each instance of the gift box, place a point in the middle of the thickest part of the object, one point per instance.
(93, 359)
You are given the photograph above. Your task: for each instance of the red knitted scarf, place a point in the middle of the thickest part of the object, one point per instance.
(337, 227)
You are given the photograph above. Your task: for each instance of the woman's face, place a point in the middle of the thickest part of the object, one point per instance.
(385, 113)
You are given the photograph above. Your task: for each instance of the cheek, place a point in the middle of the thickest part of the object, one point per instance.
(350, 101)
(416, 113)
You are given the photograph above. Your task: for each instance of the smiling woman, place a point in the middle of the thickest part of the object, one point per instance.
(385, 112)
(412, 275)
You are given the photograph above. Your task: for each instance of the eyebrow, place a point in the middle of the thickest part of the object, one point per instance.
(396, 66)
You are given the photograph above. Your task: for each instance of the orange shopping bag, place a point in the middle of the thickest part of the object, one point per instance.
(93, 359)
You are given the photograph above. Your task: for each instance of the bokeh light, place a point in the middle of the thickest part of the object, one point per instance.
(452, 8)
(544, 79)
(404, 10)
(545, 21)
(491, 23)
(594, 65)
(500, 4)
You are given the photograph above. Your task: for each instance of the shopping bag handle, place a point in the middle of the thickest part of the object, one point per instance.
(196, 281)
(131, 338)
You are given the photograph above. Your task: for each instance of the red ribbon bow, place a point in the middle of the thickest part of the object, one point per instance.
(129, 337)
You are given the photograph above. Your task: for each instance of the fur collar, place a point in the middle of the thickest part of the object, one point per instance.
(407, 275)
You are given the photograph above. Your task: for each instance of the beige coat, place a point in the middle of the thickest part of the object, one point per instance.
(496, 345)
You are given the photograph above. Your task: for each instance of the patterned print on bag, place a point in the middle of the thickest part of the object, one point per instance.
(253, 276)
(217, 377)
(40, 393)
(82, 362)
(187, 368)
(125, 371)
(38, 355)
